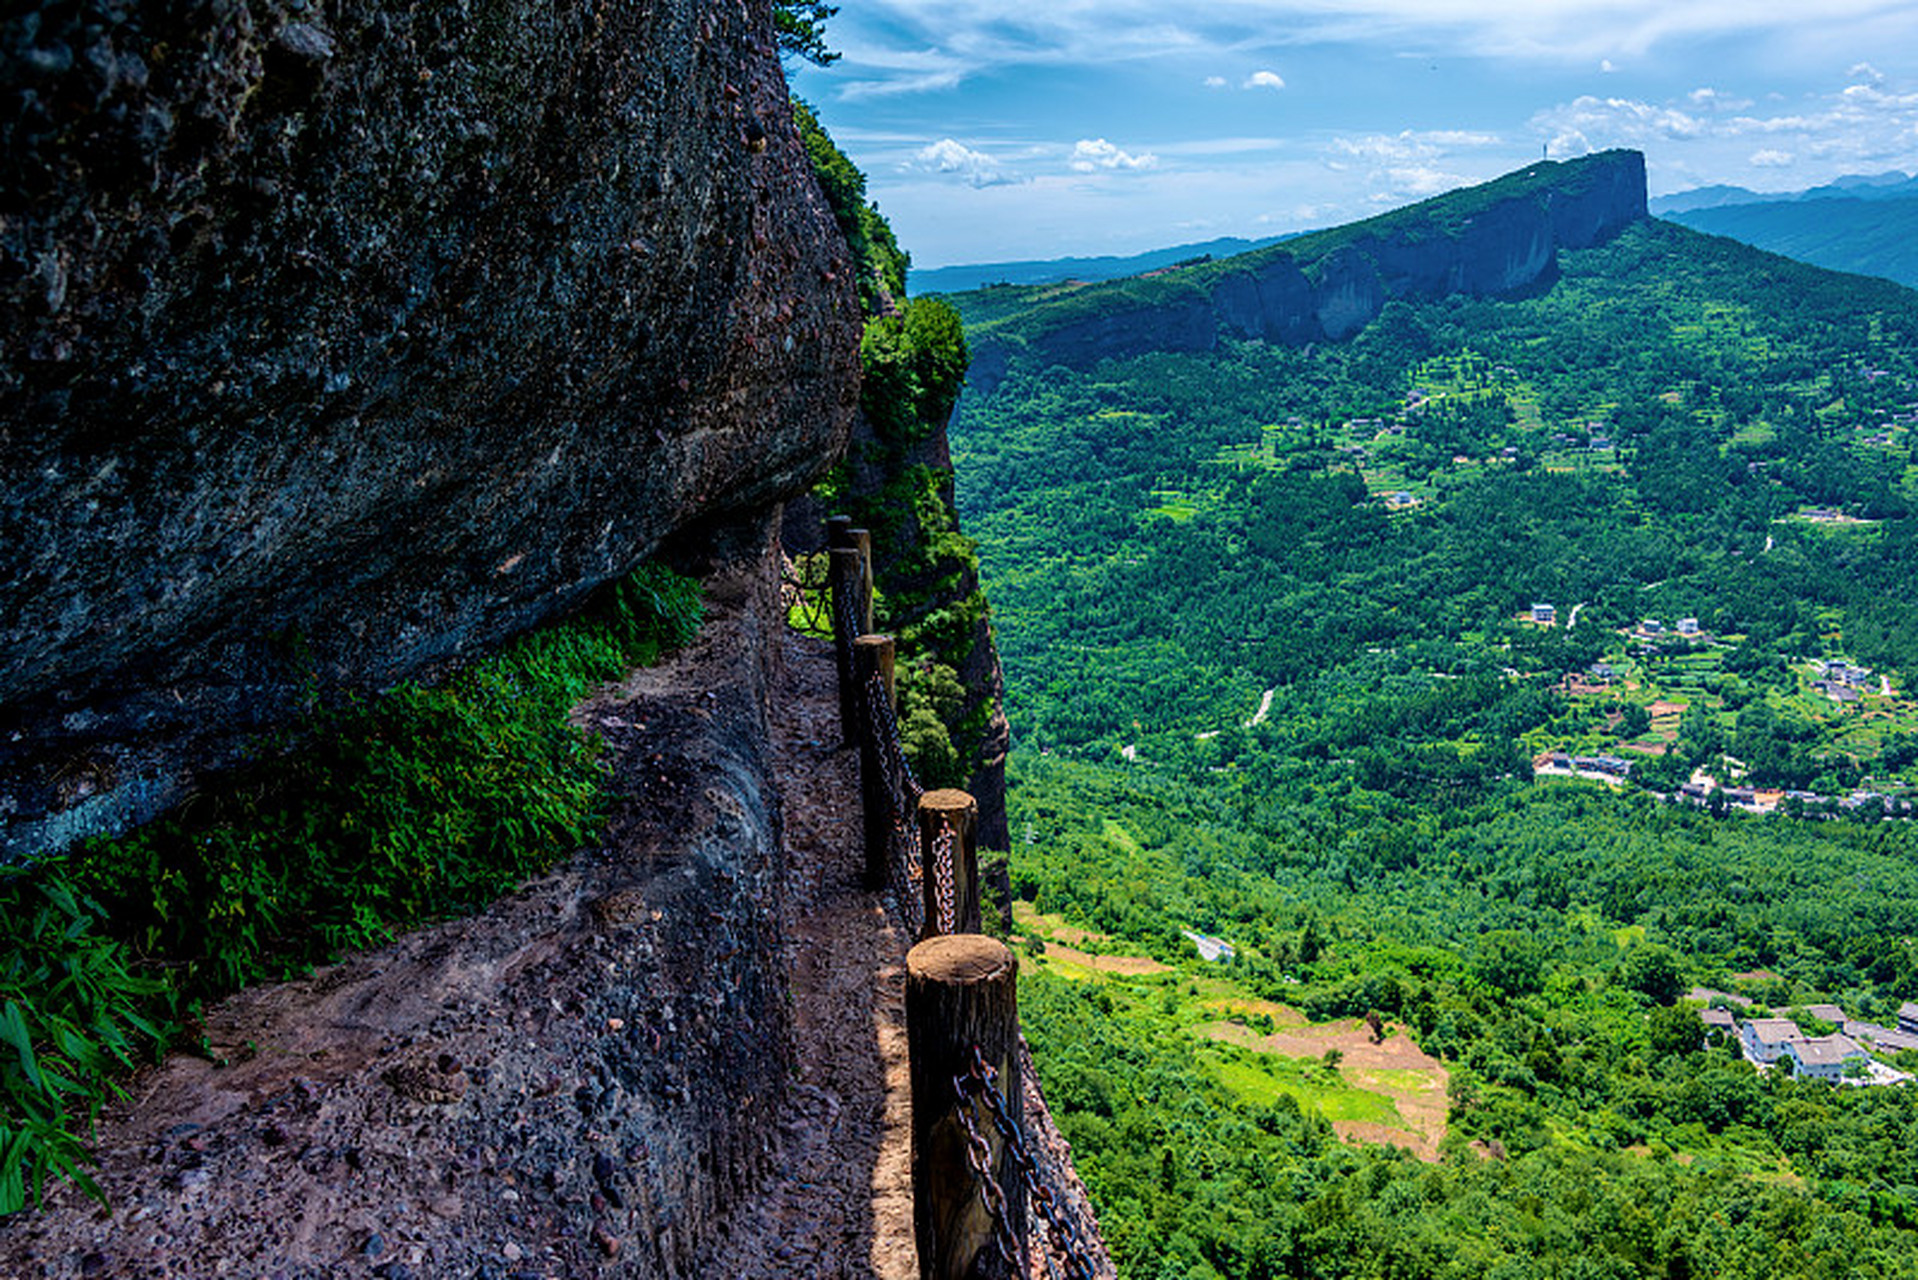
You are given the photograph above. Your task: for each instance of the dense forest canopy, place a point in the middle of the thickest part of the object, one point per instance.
(1281, 676)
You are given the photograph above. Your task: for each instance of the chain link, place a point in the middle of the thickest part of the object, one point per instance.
(979, 1159)
(902, 792)
(945, 896)
(799, 591)
(984, 1080)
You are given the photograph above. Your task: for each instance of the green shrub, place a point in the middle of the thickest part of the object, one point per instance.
(419, 804)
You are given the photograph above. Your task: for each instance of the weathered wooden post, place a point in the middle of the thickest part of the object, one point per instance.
(961, 993)
(862, 599)
(872, 661)
(838, 531)
(950, 860)
(846, 627)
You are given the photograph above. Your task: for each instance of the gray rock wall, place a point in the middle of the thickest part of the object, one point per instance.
(340, 340)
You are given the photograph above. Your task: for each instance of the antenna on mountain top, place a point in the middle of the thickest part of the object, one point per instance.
(1545, 151)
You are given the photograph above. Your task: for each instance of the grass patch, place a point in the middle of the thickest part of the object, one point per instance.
(417, 805)
(1313, 1086)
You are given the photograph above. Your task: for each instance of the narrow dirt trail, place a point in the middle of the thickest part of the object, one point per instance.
(841, 1202)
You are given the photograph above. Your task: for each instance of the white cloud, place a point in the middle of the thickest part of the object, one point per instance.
(1708, 99)
(1607, 66)
(974, 168)
(1215, 82)
(1569, 144)
(1865, 71)
(902, 46)
(1622, 120)
(1423, 180)
(1411, 144)
(1089, 155)
(1264, 80)
(1772, 159)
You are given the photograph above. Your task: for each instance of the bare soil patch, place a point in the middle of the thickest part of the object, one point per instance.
(1394, 1068)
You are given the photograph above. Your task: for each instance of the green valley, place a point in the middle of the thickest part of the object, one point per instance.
(1296, 639)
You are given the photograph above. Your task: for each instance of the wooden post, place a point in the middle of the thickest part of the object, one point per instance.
(960, 992)
(862, 597)
(956, 811)
(872, 656)
(845, 576)
(838, 531)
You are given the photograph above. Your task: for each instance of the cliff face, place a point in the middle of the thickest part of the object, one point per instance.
(904, 493)
(1498, 239)
(341, 342)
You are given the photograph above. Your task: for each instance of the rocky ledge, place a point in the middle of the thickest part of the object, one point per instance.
(340, 341)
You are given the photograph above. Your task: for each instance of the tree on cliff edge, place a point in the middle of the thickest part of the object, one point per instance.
(801, 28)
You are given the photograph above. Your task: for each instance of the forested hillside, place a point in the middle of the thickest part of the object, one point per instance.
(1875, 237)
(1293, 636)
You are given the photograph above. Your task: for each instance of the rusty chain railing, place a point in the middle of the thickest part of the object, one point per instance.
(920, 841)
(980, 1084)
(803, 592)
(901, 793)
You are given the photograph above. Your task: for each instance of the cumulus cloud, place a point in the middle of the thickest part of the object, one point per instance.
(1215, 82)
(1411, 145)
(1089, 155)
(974, 168)
(1606, 65)
(1423, 180)
(1264, 80)
(1569, 144)
(1772, 159)
(1865, 71)
(1623, 120)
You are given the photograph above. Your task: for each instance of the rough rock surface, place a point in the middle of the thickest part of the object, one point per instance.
(339, 340)
(1273, 295)
(682, 1055)
(584, 1080)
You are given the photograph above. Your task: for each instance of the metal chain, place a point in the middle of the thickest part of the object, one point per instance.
(945, 897)
(903, 863)
(892, 744)
(811, 598)
(979, 1159)
(1065, 1240)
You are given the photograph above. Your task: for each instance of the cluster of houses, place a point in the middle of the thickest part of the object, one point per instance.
(1839, 680)
(1600, 768)
(1546, 615)
(1841, 1056)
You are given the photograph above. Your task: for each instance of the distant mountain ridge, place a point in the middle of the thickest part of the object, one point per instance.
(1896, 185)
(1498, 238)
(1867, 225)
(957, 279)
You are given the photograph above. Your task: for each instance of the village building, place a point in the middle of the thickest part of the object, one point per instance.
(1688, 626)
(1822, 1057)
(1765, 1039)
(1882, 1039)
(1908, 1018)
(1544, 613)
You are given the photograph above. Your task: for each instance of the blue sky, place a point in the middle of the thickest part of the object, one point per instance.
(1007, 129)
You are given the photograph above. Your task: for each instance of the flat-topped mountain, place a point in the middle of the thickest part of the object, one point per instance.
(1495, 239)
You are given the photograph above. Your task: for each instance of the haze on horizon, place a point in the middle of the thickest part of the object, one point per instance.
(997, 131)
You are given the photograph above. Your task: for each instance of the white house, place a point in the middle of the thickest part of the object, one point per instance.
(1823, 1057)
(1765, 1039)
